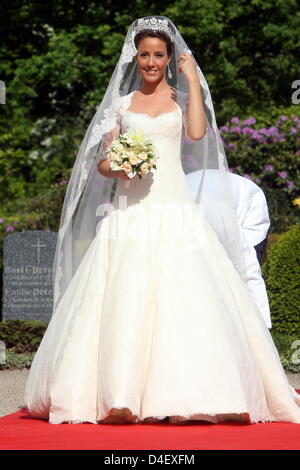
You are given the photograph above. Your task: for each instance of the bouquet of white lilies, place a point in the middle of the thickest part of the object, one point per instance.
(132, 152)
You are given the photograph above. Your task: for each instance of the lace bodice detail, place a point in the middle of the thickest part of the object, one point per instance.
(168, 181)
(171, 128)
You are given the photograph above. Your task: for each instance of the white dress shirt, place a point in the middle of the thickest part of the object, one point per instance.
(253, 216)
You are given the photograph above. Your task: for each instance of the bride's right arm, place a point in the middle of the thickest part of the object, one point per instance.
(104, 164)
(104, 169)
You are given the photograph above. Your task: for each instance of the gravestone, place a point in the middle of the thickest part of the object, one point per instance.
(27, 275)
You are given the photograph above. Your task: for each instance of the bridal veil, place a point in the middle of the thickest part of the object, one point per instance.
(89, 194)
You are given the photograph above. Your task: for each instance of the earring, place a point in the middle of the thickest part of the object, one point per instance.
(169, 72)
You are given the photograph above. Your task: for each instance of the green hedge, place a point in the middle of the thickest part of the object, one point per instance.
(281, 272)
(40, 213)
(22, 339)
(22, 335)
(289, 351)
(267, 151)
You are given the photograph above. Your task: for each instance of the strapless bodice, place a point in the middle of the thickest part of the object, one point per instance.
(168, 181)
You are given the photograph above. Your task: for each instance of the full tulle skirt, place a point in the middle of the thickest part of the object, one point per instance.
(155, 325)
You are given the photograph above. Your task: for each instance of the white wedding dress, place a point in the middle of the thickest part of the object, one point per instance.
(156, 323)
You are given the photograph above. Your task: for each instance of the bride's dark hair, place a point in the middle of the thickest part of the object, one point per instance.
(154, 34)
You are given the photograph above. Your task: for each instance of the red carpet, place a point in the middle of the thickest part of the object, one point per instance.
(19, 431)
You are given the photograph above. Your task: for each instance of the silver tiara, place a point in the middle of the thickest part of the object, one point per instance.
(156, 24)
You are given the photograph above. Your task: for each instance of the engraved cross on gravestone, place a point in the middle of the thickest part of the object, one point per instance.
(27, 275)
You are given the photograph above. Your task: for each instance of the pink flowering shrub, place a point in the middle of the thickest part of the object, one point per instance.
(270, 156)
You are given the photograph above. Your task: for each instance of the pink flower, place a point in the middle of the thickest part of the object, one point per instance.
(248, 130)
(235, 120)
(272, 130)
(263, 130)
(269, 167)
(236, 129)
(1, 220)
(9, 228)
(249, 121)
(257, 135)
(230, 146)
(282, 174)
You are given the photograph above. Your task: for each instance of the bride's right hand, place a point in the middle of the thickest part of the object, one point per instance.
(122, 174)
(105, 170)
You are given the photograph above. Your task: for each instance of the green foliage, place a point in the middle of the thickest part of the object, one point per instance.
(57, 59)
(22, 339)
(40, 213)
(268, 153)
(282, 210)
(246, 50)
(23, 335)
(288, 347)
(281, 272)
(15, 360)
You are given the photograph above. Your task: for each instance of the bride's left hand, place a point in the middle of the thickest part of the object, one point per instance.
(187, 66)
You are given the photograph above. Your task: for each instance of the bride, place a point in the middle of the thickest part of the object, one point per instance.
(152, 319)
